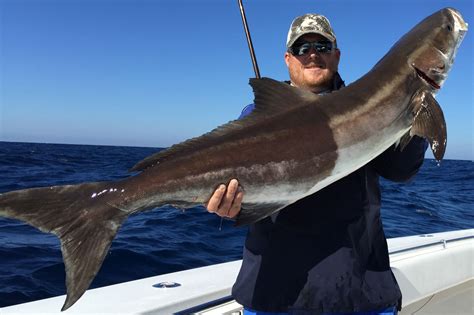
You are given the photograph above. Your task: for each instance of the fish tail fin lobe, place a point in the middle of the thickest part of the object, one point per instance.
(85, 222)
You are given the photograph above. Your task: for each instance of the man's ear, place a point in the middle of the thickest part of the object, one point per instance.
(287, 58)
(338, 54)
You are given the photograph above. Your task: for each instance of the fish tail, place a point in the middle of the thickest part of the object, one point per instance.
(85, 223)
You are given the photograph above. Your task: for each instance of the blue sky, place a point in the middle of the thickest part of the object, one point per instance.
(153, 73)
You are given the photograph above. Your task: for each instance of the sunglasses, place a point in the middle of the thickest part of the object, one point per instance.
(303, 48)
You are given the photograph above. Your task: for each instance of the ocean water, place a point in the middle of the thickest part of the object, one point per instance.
(440, 198)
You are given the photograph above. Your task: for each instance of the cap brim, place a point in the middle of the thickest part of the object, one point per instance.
(292, 41)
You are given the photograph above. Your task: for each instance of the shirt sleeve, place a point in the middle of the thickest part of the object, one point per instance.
(401, 166)
(247, 110)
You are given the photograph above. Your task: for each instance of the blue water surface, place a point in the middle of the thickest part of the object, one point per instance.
(440, 198)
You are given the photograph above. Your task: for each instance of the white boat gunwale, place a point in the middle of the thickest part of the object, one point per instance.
(207, 290)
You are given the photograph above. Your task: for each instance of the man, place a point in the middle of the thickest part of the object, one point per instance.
(326, 253)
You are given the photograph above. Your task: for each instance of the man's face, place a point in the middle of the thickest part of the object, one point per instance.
(314, 70)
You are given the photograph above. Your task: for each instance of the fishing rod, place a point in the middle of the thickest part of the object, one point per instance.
(252, 55)
(249, 40)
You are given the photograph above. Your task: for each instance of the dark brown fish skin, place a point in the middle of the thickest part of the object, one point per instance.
(282, 138)
(293, 144)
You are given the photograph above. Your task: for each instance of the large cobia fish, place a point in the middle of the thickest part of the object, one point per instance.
(292, 145)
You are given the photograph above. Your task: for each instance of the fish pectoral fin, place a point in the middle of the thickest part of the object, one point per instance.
(251, 213)
(429, 123)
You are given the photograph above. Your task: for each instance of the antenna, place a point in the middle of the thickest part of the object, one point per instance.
(249, 40)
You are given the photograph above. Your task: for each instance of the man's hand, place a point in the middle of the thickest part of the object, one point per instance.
(226, 201)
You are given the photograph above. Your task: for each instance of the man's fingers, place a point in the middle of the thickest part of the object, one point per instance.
(228, 198)
(216, 198)
(237, 204)
(232, 188)
(226, 201)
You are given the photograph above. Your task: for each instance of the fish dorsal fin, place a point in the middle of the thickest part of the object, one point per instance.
(429, 123)
(271, 97)
(206, 140)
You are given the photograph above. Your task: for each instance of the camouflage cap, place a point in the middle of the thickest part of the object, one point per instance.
(310, 23)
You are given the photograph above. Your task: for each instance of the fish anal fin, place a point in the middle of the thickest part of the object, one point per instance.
(271, 97)
(429, 123)
(251, 213)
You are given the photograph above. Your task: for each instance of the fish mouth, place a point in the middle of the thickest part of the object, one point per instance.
(426, 78)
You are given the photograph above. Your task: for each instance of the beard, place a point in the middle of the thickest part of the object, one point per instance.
(324, 82)
(315, 82)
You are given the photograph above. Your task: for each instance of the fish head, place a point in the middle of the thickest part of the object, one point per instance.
(439, 37)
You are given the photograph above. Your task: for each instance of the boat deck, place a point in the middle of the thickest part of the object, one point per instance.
(456, 300)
